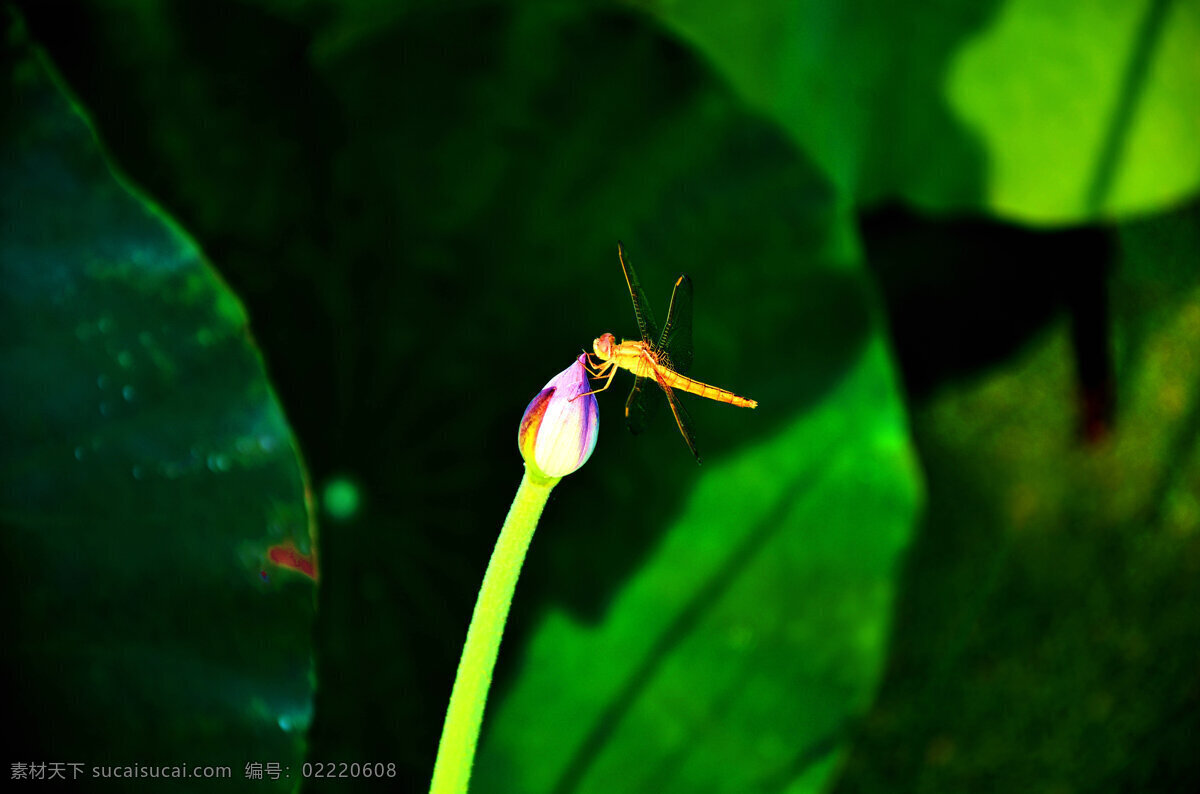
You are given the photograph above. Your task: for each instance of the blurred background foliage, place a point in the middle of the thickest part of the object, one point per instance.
(950, 248)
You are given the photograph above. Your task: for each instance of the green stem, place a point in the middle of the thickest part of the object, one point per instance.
(464, 715)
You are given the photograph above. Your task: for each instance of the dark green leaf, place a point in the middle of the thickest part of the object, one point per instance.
(145, 472)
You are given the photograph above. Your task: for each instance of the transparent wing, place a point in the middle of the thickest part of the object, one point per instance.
(641, 307)
(681, 417)
(645, 400)
(676, 339)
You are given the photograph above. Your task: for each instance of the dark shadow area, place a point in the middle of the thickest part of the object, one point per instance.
(964, 295)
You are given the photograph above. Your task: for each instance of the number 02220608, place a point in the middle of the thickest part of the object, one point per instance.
(343, 769)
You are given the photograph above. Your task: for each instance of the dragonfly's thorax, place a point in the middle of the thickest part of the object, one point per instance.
(636, 357)
(631, 355)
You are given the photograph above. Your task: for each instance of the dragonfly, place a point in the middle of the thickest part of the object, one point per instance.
(658, 361)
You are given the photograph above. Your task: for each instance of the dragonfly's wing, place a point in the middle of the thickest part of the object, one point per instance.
(676, 339)
(645, 400)
(681, 417)
(641, 307)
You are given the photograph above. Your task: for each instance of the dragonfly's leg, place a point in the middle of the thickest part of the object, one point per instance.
(598, 367)
(611, 366)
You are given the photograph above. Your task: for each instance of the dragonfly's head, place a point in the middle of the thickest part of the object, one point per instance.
(603, 346)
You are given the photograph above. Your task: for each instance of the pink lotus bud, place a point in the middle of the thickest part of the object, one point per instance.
(559, 429)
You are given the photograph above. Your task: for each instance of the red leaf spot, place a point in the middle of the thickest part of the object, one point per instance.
(286, 555)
